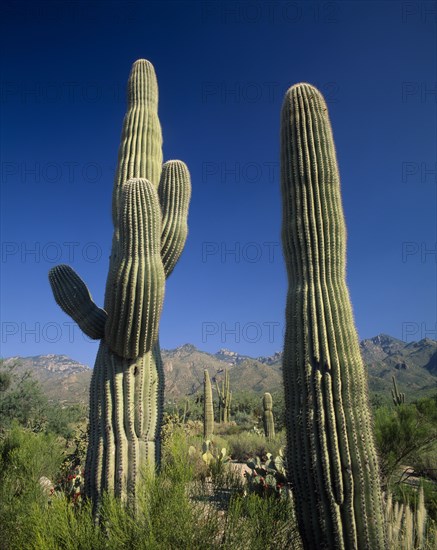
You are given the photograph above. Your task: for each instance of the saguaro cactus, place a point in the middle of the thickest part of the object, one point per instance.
(397, 396)
(331, 453)
(268, 421)
(225, 395)
(208, 407)
(149, 210)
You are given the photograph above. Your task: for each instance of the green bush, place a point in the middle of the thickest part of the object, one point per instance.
(404, 433)
(25, 457)
(245, 445)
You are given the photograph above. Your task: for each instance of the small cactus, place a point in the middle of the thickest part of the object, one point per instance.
(225, 396)
(397, 396)
(268, 421)
(208, 407)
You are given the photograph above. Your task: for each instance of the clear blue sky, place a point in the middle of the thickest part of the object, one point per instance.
(223, 68)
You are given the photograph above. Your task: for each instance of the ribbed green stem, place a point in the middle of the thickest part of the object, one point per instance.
(125, 420)
(331, 453)
(135, 287)
(268, 421)
(140, 152)
(73, 297)
(174, 196)
(208, 410)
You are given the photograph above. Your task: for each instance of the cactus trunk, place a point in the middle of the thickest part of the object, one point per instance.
(208, 408)
(149, 209)
(332, 459)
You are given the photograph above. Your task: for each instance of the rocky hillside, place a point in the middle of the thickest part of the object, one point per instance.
(61, 378)
(414, 365)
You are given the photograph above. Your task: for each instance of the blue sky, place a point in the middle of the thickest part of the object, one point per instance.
(222, 68)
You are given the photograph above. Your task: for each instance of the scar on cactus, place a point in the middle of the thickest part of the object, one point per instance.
(150, 203)
(331, 452)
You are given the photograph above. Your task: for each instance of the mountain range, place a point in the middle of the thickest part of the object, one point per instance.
(413, 364)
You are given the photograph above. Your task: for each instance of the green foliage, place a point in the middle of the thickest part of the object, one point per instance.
(406, 493)
(404, 433)
(172, 511)
(255, 523)
(22, 401)
(244, 445)
(5, 381)
(25, 457)
(70, 481)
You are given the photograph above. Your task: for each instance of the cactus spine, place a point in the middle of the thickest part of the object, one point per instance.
(331, 453)
(208, 408)
(397, 396)
(268, 421)
(225, 396)
(149, 211)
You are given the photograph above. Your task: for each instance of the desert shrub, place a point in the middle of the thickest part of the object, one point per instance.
(22, 401)
(425, 462)
(245, 445)
(255, 523)
(408, 524)
(172, 510)
(404, 432)
(25, 458)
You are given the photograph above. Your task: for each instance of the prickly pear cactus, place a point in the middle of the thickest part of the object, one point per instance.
(331, 456)
(149, 211)
(268, 420)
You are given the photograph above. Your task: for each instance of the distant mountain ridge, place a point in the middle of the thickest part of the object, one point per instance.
(62, 378)
(414, 364)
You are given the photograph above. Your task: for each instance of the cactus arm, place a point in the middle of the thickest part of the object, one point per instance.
(74, 298)
(174, 195)
(136, 284)
(331, 451)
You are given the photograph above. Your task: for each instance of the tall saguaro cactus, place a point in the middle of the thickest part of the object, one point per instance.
(225, 395)
(331, 453)
(149, 211)
(208, 407)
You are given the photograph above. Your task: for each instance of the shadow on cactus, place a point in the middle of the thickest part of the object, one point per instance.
(149, 210)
